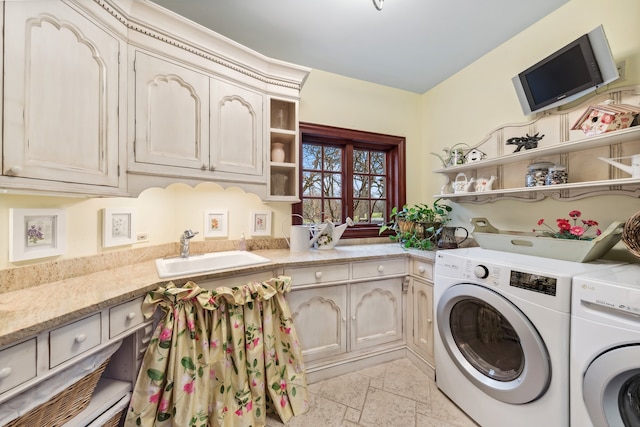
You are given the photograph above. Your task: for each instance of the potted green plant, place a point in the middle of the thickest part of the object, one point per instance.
(417, 226)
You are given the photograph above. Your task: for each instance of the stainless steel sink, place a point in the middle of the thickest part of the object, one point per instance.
(170, 267)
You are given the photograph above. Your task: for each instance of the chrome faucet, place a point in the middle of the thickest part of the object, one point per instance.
(184, 243)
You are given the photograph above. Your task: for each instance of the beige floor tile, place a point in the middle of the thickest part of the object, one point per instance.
(386, 409)
(392, 394)
(349, 389)
(407, 382)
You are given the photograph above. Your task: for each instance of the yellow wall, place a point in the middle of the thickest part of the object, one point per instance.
(464, 108)
(480, 98)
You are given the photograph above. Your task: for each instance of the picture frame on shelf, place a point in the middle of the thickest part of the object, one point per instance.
(118, 227)
(260, 223)
(216, 223)
(36, 233)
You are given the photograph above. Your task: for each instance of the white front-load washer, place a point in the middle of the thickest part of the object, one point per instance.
(605, 348)
(502, 335)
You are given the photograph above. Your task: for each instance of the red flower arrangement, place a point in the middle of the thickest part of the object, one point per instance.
(568, 231)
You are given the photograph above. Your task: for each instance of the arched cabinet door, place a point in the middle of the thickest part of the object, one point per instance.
(237, 130)
(376, 313)
(171, 114)
(61, 94)
(320, 318)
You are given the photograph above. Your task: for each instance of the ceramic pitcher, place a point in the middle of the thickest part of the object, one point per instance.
(447, 238)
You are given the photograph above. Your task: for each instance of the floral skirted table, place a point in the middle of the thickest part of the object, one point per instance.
(220, 357)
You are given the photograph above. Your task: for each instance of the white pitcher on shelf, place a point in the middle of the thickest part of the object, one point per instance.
(484, 184)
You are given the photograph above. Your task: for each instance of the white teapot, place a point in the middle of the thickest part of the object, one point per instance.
(462, 184)
(484, 184)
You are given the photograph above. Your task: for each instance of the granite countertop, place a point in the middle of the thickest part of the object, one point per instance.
(27, 312)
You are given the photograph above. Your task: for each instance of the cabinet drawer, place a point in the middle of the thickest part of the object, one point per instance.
(125, 316)
(318, 274)
(423, 270)
(73, 339)
(381, 268)
(17, 364)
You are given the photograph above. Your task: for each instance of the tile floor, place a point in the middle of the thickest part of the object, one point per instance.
(393, 394)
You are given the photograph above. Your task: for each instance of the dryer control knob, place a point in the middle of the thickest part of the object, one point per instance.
(481, 272)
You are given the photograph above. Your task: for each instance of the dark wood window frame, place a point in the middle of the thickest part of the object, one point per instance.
(394, 146)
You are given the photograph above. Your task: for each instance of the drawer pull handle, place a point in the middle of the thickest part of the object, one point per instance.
(131, 315)
(421, 270)
(318, 275)
(429, 321)
(380, 268)
(80, 338)
(5, 372)
(353, 318)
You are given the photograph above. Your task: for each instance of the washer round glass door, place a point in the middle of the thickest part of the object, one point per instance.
(611, 387)
(493, 343)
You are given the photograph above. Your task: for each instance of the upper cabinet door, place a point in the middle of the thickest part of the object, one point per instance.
(61, 95)
(171, 114)
(237, 132)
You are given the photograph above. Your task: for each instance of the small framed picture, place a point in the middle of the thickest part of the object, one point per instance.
(215, 223)
(261, 223)
(36, 233)
(118, 227)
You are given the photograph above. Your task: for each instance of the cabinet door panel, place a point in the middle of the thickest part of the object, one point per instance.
(172, 114)
(319, 316)
(422, 306)
(236, 129)
(376, 313)
(61, 95)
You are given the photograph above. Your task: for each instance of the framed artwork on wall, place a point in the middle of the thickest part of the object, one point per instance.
(118, 227)
(36, 233)
(260, 223)
(215, 223)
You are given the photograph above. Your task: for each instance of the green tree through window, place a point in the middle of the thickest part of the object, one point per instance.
(346, 173)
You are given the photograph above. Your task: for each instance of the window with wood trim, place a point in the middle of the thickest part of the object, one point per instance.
(350, 173)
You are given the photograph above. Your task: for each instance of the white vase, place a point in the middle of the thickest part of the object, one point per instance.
(277, 152)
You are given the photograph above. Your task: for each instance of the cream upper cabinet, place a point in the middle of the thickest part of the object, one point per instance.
(111, 97)
(61, 95)
(171, 115)
(237, 131)
(194, 125)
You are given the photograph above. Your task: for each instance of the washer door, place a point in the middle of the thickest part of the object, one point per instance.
(611, 388)
(493, 344)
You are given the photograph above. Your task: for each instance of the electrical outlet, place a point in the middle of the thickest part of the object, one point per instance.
(622, 70)
(142, 237)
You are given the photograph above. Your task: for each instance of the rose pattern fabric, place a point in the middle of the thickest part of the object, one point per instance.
(220, 357)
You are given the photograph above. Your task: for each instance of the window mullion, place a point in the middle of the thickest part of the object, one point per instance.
(347, 169)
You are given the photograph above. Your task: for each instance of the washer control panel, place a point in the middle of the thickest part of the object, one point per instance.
(533, 282)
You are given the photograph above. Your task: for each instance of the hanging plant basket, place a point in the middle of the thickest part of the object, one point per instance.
(489, 237)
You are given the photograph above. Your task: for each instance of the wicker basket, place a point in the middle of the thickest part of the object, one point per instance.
(115, 420)
(63, 406)
(631, 234)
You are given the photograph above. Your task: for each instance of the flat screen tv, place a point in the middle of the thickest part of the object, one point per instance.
(577, 69)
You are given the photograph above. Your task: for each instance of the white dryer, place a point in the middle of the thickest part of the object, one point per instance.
(605, 348)
(502, 335)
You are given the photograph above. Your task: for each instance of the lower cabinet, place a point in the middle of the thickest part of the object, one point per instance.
(320, 318)
(35, 370)
(421, 338)
(345, 316)
(420, 309)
